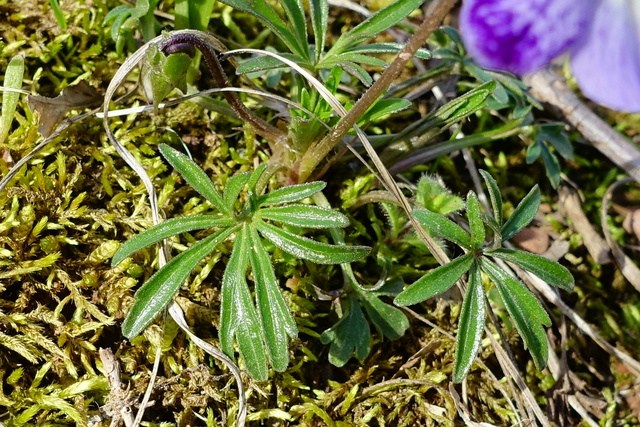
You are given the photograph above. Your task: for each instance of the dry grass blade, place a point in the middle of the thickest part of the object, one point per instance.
(571, 206)
(627, 266)
(464, 412)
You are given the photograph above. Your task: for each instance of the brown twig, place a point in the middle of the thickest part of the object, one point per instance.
(318, 151)
(547, 87)
(570, 204)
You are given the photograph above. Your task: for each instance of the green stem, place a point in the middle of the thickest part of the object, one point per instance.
(318, 152)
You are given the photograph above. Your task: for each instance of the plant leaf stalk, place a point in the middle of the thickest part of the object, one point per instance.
(318, 151)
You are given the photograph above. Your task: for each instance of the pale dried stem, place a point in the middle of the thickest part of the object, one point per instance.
(548, 87)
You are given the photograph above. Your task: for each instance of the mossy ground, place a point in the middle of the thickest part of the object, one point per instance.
(65, 214)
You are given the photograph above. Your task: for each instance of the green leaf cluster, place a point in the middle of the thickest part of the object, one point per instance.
(261, 328)
(525, 310)
(348, 51)
(545, 136)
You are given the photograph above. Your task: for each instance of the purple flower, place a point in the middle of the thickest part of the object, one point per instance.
(602, 38)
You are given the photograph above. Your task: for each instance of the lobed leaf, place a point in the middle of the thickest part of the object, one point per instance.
(443, 226)
(305, 216)
(275, 317)
(522, 215)
(389, 320)
(356, 71)
(435, 281)
(472, 319)
(238, 315)
(157, 292)
(305, 248)
(524, 308)
(356, 58)
(465, 105)
(546, 269)
(351, 335)
(165, 229)
(194, 176)
(435, 197)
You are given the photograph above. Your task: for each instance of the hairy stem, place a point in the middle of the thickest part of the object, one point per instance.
(318, 151)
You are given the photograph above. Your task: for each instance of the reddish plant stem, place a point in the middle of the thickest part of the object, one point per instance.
(185, 42)
(318, 151)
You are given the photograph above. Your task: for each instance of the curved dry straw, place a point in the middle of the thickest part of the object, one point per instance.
(174, 310)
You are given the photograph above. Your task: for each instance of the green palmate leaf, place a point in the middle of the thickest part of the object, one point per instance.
(234, 186)
(476, 226)
(157, 292)
(275, 317)
(390, 321)
(168, 228)
(351, 335)
(291, 193)
(471, 322)
(319, 22)
(526, 311)
(494, 195)
(546, 269)
(194, 176)
(12, 80)
(238, 315)
(444, 227)
(436, 281)
(305, 216)
(522, 215)
(305, 248)
(255, 177)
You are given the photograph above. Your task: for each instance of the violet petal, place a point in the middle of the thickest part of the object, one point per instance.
(522, 36)
(607, 64)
